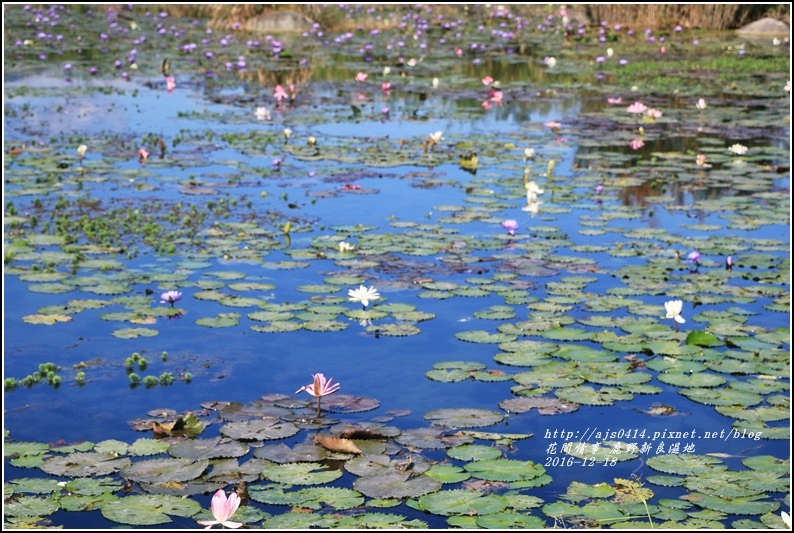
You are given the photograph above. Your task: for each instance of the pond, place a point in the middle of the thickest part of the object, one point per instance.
(574, 248)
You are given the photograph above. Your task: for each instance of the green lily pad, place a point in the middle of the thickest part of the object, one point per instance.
(395, 484)
(463, 418)
(134, 333)
(265, 429)
(148, 510)
(461, 502)
(504, 469)
(84, 464)
(300, 473)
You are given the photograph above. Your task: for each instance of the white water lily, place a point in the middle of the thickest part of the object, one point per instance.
(529, 153)
(673, 308)
(738, 149)
(532, 191)
(436, 137)
(363, 294)
(345, 246)
(551, 62)
(287, 133)
(262, 113)
(786, 518)
(435, 83)
(81, 150)
(701, 104)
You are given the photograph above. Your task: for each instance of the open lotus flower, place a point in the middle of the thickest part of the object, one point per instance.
(510, 225)
(222, 509)
(363, 294)
(170, 297)
(673, 308)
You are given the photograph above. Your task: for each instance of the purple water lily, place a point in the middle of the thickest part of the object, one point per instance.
(170, 297)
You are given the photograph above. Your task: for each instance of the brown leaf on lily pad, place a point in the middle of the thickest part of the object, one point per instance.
(187, 426)
(336, 444)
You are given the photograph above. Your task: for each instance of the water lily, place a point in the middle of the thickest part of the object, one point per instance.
(729, 263)
(222, 509)
(143, 155)
(673, 308)
(550, 61)
(385, 86)
(532, 208)
(487, 80)
(287, 133)
(693, 257)
(363, 294)
(170, 297)
(345, 247)
(654, 113)
(533, 190)
(701, 104)
(636, 144)
(361, 76)
(280, 93)
(738, 149)
(81, 150)
(435, 83)
(510, 225)
(529, 153)
(786, 518)
(170, 84)
(262, 113)
(613, 101)
(320, 387)
(637, 107)
(701, 161)
(386, 71)
(436, 137)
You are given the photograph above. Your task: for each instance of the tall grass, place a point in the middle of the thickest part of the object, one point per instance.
(700, 16)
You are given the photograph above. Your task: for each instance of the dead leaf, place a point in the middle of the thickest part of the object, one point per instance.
(337, 445)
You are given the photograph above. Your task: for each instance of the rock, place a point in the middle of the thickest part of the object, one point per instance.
(279, 21)
(765, 26)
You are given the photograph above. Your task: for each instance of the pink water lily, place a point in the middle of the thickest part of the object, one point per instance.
(636, 144)
(170, 84)
(280, 93)
(487, 80)
(637, 107)
(618, 100)
(222, 509)
(320, 387)
(361, 76)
